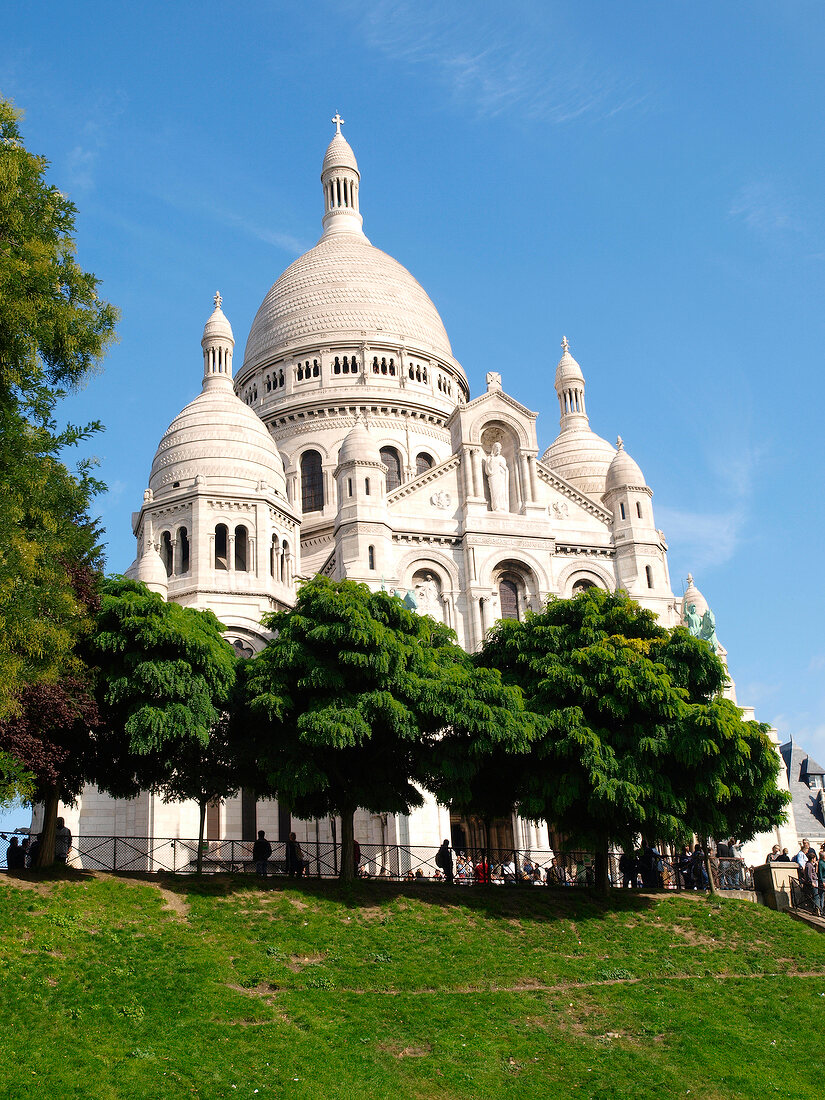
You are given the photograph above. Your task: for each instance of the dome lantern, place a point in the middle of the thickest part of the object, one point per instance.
(341, 181)
(570, 390)
(217, 342)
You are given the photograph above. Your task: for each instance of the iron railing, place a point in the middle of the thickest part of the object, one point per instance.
(399, 863)
(808, 898)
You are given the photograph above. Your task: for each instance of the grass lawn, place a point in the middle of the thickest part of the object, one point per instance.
(161, 987)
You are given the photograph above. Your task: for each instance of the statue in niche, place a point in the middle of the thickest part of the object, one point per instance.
(428, 597)
(498, 478)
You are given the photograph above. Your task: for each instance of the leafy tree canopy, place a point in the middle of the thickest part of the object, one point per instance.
(54, 330)
(637, 737)
(350, 695)
(166, 676)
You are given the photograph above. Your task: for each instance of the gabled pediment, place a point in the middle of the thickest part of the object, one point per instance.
(572, 494)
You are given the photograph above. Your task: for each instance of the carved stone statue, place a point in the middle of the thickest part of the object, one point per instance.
(429, 597)
(498, 478)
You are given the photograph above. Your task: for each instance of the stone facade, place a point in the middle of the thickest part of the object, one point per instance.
(348, 444)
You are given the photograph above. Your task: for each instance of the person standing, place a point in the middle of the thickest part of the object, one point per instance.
(296, 865)
(15, 856)
(444, 860)
(62, 841)
(261, 851)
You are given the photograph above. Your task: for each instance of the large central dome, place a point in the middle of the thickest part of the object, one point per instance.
(345, 290)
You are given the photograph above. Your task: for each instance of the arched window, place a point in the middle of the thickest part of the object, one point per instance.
(423, 462)
(649, 575)
(183, 550)
(582, 585)
(638, 510)
(371, 557)
(312, 482)
(284, 562)
(621, 509)
(508, 595)
(392, 460)
(221, 547)
(241, 549)
(166, 552)
(273, 555)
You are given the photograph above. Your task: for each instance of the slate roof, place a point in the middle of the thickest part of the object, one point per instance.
(807, 807)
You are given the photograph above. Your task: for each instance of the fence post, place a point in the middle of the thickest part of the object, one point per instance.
(114, 855)
(174, 858)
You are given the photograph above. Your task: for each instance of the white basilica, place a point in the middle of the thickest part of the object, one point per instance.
(348, 444)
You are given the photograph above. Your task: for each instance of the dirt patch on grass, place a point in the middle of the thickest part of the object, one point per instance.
(173, 902)
(19, 882)
(406, 1052)
(699, 939)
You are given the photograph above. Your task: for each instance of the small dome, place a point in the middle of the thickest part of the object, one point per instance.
(624, 472)
(582, 458)
(693, 598)
(217, 327)
(219, 437)
(359, 446)
(339, 154)
(151, 570)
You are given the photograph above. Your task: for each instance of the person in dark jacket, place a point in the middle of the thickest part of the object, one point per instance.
(444, 860)
(627, 869)
(261, 851)
(15, 856)
(296, 865)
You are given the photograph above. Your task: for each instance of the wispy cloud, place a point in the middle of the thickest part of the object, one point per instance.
(705, 539)
(495, 63)
(710, 538)
(284, 241)
(766, 208)
(82, 160)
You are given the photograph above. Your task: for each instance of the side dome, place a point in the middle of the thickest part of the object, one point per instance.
(582, 458)
(623, 472)
(219, 437)
(344, 290)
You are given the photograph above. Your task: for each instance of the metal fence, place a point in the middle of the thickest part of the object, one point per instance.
(807, 898)
(402, 863)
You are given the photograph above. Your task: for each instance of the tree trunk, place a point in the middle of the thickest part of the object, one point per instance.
(201, 825)
(703, 840)
(347, 871)
(45, 853)
(601, 868)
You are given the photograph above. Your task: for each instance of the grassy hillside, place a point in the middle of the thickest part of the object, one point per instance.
(115, 987)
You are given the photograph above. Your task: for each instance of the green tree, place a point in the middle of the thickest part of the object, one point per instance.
(203, 773)
(635, 732)
(348, 698)
(54, 330)
(16, 781)
(165, 680)
(728, 766)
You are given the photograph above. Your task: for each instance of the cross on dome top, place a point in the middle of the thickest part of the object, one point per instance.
(339, 122)
(564, 344)
(619, 442)
(217, 299)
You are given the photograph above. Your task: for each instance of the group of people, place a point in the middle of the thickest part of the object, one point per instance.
(22, 855)
(297, 866)
(810, 869)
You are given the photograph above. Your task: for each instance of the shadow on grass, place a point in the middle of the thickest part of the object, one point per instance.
(544, 904)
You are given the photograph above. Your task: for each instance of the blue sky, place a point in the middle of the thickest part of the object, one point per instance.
(645, 178)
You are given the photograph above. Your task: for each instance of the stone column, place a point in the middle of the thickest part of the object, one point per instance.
(478, 481)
